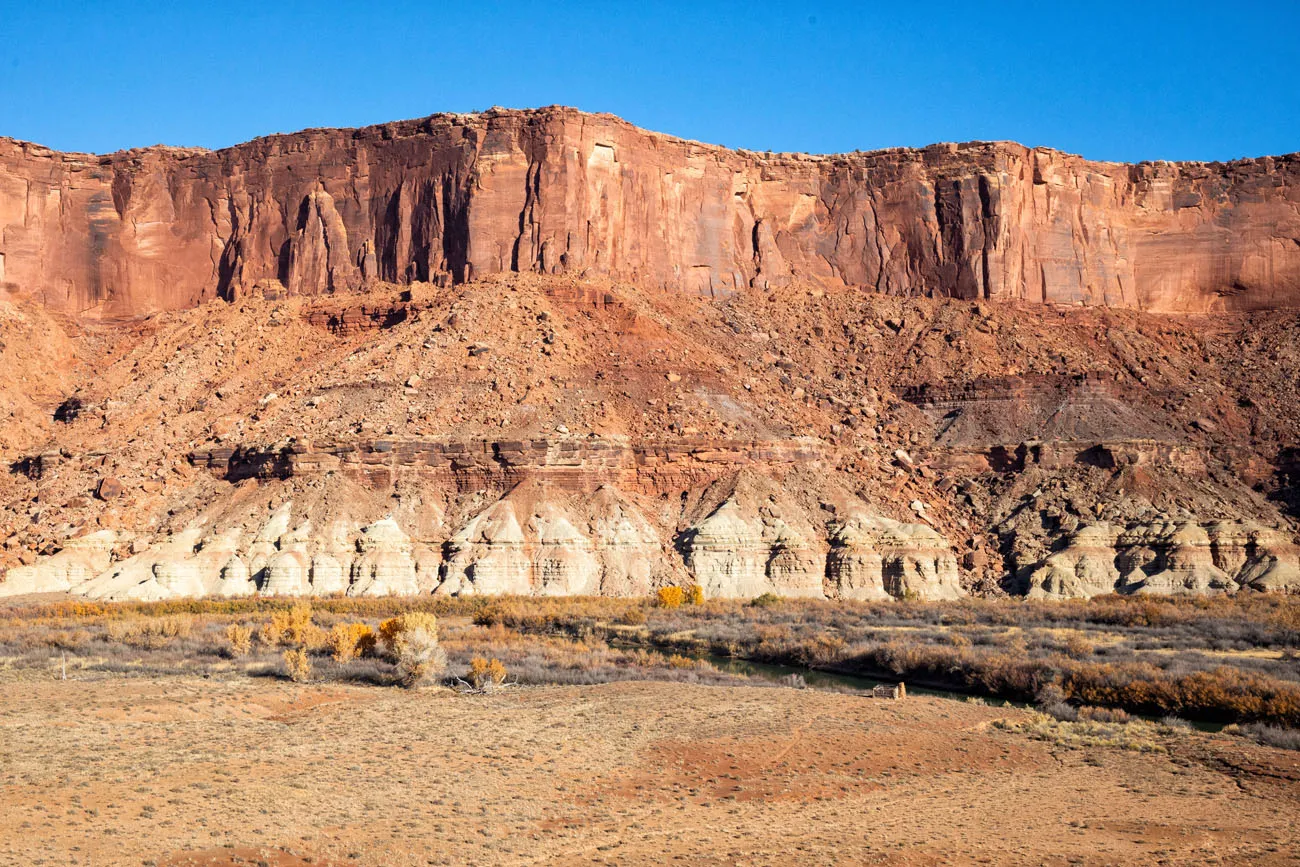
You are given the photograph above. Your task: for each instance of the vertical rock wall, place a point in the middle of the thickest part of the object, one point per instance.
(559, 191)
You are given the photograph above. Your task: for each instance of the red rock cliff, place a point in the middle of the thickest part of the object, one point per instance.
(557, 190)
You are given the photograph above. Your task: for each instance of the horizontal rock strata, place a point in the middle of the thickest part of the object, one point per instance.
(1169, 558)
(535, 540)
(555, 190)
(571, 464)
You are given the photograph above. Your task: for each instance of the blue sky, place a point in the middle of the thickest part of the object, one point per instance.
(1127, 81)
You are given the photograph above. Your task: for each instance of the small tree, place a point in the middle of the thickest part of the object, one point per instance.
(240, 638)
(297, 665)
(670, 597)
(347, 641)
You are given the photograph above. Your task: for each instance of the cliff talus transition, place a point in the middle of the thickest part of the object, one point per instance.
(546, 352)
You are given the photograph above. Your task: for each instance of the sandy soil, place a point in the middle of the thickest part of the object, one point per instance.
(196, 772)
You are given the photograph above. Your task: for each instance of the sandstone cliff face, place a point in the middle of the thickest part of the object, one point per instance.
(558, 191)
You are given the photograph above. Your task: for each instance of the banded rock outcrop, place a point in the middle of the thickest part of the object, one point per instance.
(555, 190)
(535, 540)
(1170, 558)
(875, 558)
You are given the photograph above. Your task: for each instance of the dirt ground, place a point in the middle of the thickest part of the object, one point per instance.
(179, 771)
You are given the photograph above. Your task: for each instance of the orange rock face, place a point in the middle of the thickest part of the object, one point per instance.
(558, 191)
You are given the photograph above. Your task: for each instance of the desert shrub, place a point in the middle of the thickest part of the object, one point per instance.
(395, 630)
(347, 641)
(486, 673)
(1222, 693)
(766, 600)
(1078, 647)
(670, 597)
(1086, 734)
(1271, 736)
(822, 649)
(420, 659)
(150, 632)
(67, 640)
(412, 639)
(634, 616)
(240, 638)
(292, 626)
(297, 665)
(1104, 715)
(1051, 701)
(694, 595)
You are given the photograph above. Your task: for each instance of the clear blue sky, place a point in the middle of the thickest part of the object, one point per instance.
(1124, 81)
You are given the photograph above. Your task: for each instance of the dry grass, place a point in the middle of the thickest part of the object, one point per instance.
(1137, 735)
(1213, 659)
(151, 632)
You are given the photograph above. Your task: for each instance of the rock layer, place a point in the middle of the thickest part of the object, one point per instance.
(535, 540)
(1169, 559)
(555, 190)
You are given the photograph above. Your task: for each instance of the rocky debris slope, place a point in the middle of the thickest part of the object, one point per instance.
(553, 434)
(557, 191)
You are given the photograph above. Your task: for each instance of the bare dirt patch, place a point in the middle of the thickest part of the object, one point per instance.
(178, 770)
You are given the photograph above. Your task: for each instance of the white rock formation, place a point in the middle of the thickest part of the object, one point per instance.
(735, 555)
(266, 542)
(385, 567)
(287, 572)
(163, 571)
(428, 567)
(626, 545)
(795, 565)
(1084, 568)
(212, 556)
(1183, 563)
(234, 580)
(918, 562)
(563, 563)
(487, 555)
(728, 555)
(877, 558)
(328, 576)
(1272, 562)
(854, 567)
(80, 560)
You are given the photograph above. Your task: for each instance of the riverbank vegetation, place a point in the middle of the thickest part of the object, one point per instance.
(1229, 660)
